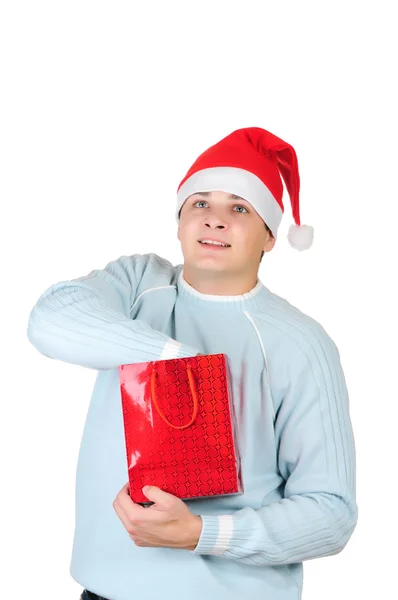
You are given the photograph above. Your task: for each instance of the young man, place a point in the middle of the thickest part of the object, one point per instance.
(295, 436)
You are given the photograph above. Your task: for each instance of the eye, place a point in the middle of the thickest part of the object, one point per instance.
(236, 206)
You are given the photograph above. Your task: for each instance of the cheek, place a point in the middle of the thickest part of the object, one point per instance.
(188, 226)
(186, 233)
(253, 240)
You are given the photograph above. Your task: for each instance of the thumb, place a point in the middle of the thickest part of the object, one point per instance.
(155, 494)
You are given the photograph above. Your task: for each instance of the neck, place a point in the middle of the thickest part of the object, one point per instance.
(219, 283)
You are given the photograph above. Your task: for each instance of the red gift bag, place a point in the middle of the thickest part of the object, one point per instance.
(180, 429)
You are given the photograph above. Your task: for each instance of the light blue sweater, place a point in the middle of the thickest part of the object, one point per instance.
(295, 434)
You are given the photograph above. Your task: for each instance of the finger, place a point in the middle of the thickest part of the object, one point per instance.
(123, 516)
(159, 497)
(125, 489)
(123, 498)
(128, 525)
(126, 509)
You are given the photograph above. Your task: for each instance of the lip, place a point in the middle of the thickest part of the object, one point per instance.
(214, 248)
(214, 240)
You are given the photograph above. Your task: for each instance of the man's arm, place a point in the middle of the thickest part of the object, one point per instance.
(86, 321)
(316, 456)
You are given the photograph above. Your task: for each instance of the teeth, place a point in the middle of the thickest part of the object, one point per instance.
(214, 243)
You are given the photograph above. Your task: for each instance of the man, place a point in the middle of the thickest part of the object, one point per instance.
(294, 431)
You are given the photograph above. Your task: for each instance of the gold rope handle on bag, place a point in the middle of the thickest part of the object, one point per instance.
(194, 396)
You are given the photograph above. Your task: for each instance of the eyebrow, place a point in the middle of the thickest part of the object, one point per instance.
(230, 196)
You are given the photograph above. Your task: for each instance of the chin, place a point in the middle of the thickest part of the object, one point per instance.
(209, 264)
(196, 258)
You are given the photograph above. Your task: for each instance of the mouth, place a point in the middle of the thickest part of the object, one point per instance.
(213, 247)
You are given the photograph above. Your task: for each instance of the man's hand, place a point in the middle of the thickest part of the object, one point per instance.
(168, 523)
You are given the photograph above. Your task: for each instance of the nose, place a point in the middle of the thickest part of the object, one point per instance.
(215, 226)
(215, 222)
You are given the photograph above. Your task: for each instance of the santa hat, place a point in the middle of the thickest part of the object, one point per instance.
(249, 163)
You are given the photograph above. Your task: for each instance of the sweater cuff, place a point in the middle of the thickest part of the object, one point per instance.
(174, 349)
(216, 535)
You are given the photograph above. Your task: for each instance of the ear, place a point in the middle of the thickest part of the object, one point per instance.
(269, 244)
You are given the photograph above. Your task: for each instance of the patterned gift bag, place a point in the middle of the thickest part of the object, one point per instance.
(180, 428)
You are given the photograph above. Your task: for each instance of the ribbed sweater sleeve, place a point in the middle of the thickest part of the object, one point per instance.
(86, 321)
(316, 458)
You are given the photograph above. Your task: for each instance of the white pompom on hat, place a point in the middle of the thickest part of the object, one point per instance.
(249, 162)
(300, 236)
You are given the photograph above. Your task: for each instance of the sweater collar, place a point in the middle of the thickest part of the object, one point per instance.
(255, 298)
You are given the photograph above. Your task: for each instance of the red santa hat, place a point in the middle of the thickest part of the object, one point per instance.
(249, 162)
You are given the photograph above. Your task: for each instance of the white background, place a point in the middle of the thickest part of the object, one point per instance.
(104, 107)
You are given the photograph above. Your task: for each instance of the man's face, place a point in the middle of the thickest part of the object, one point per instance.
(227, 218)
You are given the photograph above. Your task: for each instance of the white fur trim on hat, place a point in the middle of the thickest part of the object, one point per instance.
(234, 181)
(300, 236)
